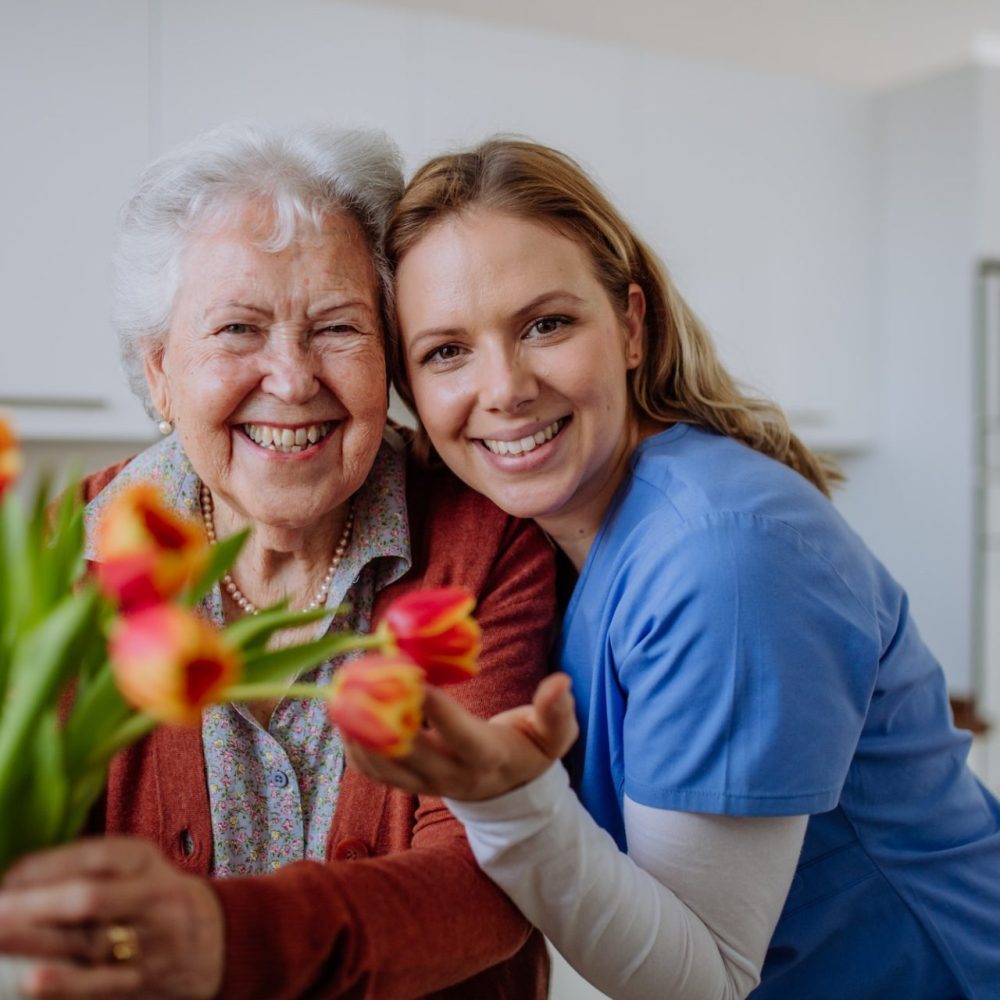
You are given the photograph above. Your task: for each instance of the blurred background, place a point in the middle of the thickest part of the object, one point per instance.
(822, 179)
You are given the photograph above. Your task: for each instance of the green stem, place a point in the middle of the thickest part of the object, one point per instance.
(251, 692)
(132, 729)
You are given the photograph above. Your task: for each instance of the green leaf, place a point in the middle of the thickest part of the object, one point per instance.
(65, 544)
(41, 662)
(98, 711)
(221, 558)
(84, 792)
(49, 789)
(125, 734)
(18, 569)
(278, 664)
(253, 631)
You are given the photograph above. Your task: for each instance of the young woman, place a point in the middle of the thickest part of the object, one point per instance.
(770, 786)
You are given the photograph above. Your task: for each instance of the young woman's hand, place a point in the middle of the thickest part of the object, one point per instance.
(111, 916)
(469, 759)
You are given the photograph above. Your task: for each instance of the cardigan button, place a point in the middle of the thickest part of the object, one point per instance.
(187, 843)
(351, 849)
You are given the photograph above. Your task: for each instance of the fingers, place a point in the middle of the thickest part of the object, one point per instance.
(459, 733)
(467, 758)
(81, 944)
(427, 770)
(385, 771)
(57, 980)
(556, 728)
(95, 856)
(76, 900)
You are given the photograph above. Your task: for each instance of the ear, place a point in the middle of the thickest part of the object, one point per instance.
(153, 356)
(634, 325)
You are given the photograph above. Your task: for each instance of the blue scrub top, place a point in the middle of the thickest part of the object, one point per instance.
(736, 649)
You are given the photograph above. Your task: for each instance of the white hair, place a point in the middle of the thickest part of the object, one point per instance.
(305, 176)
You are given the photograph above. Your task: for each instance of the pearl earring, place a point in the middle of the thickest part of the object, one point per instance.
(165, 427)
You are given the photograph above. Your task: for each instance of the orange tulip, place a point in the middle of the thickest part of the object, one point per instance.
(170, 663)
(146, 553)
(435, 628)
(377, 701)
(10, 456)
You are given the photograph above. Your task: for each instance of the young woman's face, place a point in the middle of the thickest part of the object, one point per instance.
(517, 361)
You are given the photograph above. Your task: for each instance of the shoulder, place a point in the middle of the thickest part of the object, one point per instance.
(92, 485)
(690, 488)
(697, 472)
(451, 523)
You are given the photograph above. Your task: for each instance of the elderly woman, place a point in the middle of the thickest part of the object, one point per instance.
(251, 307)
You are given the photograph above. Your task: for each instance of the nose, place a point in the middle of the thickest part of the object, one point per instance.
(290, 369)
(507, 382)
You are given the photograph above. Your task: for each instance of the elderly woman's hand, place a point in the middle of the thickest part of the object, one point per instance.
(469, 759)
(111, 917)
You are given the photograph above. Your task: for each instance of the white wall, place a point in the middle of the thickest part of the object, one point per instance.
(912, 497)
(827, 236)
(756, 189)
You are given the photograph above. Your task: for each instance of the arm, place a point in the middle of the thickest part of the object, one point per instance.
(420, 919)
(687, 914)
(407, 923)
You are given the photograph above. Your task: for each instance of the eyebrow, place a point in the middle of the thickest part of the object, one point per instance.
(335, 305)
(234, 304)
(546, 299)
(323, 309)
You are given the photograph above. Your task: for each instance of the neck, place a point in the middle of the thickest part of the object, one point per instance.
(283, 563)
(575, 527)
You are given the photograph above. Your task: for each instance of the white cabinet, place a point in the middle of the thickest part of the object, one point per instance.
(73, 118)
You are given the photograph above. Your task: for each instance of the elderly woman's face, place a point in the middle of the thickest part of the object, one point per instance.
(273, 369)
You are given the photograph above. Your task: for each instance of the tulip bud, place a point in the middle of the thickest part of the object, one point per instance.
(146, 553)
(435, 629)
(377, 701)
(11, 460)
(170, 663)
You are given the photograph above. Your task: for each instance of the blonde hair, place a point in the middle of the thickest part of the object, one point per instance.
(680, 378)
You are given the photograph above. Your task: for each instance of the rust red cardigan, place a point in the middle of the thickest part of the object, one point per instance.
(400, 908)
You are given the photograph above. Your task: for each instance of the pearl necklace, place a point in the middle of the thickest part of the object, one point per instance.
(240, 599)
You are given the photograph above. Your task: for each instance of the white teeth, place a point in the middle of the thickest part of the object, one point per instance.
(525, 444)
(284, 439)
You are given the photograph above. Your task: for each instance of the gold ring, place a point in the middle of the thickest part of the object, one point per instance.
(123, 942)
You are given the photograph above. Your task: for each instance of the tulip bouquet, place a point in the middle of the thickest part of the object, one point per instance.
(91, 661)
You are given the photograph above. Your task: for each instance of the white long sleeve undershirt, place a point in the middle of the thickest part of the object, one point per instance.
(688, 913)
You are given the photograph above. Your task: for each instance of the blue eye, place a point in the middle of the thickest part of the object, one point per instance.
(238, 328)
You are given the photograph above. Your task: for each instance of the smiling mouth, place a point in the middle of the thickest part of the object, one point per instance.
(529, 443)
(285, 439)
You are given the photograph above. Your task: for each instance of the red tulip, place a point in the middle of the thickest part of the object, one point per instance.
(377, 701)
(435, 628)
(146, 553)
(170, 663)
(10, 456)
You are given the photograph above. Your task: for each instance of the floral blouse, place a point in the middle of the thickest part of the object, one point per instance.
(273, 789)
